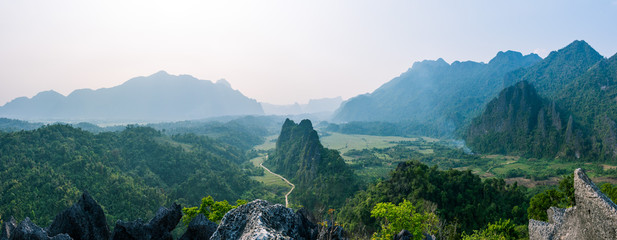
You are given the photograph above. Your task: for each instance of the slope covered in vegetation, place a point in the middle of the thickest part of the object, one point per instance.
(461, 200)
(131, 173)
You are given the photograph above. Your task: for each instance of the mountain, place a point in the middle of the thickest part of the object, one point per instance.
(313, 106)
(435, 92)
(558, 69)
(159, 97)
(321, 176)
(520, 122)
(576, 117)
(591, 99)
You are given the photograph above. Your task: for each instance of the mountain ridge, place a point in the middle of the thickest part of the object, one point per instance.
(158, 97)
(580, 82)
(433, 91)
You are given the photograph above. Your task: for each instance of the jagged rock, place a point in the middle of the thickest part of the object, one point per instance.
(7, 228)
(429, 237)
(159, 227)
(200, 228)
(403, 235)
(84, 220)
(27, 230)
(262, 220)
(307, 221)
(331, 233)
(166, 219)
(593, 217)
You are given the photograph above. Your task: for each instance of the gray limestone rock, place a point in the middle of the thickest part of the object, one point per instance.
(200, 228)
(262, 220)
(27, 230)
(159, 227)
(331, 233)
(7, 228)
(403, 235)
(84, 220)
(593, 217)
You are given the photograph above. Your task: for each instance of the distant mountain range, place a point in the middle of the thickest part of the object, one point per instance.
(563, 106)
(159, 97)
(435, 92)
(322, 105)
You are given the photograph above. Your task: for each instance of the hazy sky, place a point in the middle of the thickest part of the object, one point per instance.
(276, 51)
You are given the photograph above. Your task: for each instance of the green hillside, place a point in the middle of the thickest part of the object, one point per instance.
(131, 173)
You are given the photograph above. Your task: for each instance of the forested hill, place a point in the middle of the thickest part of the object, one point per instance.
(520, 122)
(131, 173)
(445, 95)
(585, 125)
(321, 176)
(159, 97)
(591, 99)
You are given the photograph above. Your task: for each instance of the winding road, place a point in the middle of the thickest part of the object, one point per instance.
(284, 179)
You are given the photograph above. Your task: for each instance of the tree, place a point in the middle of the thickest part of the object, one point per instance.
(214, 211)
(404, 216)
(610, 191)
(500, 230)
(562, 197)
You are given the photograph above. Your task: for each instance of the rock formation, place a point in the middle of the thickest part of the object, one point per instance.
(256, 220)
(159, 227)
(262, 220)
(83, 221)
(403, 235)
(200, 228)
(7, 228)
(331, 232)
(593, 217)
(27, 230)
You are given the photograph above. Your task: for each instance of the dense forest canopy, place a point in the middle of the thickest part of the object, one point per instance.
(131, 173)
(461, 199)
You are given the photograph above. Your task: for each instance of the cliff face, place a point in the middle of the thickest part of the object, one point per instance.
(593, 217)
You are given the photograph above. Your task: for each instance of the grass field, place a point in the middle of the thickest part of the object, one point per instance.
(346, 142)
(268, 178)
(533, 172)
(527, 172)
(270, 143)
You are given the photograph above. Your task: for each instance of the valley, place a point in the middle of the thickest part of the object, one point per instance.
(466, 147)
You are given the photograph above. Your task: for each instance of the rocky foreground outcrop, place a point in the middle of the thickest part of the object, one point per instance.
(593, 217)
(159, 227)
(83, 221)
(256, 220)
(262, 220)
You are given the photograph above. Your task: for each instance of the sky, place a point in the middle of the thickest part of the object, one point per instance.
(278, 52)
